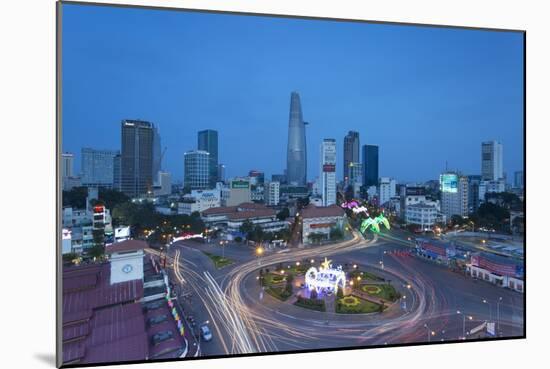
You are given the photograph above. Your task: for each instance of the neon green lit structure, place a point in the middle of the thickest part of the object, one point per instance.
(374, 224)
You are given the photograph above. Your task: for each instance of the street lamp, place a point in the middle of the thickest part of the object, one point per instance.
(430, 332)
(464, 322)
(498, 315)
(259, 252)
(490, 309)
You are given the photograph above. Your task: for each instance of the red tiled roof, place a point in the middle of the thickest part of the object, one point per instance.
(130, 348)
(259, 213)
(312, 211)
(105, 323)
(128, 245)
(251, 205)
(220, 210)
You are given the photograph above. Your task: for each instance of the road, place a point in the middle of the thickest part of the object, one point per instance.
(243, 323)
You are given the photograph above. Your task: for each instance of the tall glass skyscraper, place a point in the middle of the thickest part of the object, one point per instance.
(351, 154)
(328, 171)
(98, 167)
(296, 159)
(196, 170)
(136, 161)
(491, 161)
(157, 156)
(208, 141)
(370, 165)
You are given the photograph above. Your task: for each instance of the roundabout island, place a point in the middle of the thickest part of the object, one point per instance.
(329, 288)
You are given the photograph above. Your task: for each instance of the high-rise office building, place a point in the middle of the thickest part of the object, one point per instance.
(474, 182)
(208, 141)
(157, 155)
(136, 162)
(454, 194)
(98, 167)
(370, 165)
(355, 173)
(257, 178)
(518, 179)
(272, 193)
(328, 171)
(491, 161)
(386, 190)
(196, 174)
(117, 172)
(68, 179)
(221, 172)
(67, 165)
(281, 178)
(163, 184)
(351, 154)
(296, 160)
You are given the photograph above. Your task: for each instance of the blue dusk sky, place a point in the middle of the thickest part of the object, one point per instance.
(425, 95)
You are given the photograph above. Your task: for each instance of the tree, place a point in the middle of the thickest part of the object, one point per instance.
(257, 234)
(67, 258)
(289, 284)
(302, 202)
(76, 197)
(283, 214)
(457, 220)
(97, 251)
(336, 233)
(246, 227)
(111, 198)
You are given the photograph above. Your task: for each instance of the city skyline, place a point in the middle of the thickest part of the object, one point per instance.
(443, 106)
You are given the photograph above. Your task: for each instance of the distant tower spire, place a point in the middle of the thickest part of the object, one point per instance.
(296, 160)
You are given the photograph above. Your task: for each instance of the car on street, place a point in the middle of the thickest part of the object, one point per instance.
(205, 332)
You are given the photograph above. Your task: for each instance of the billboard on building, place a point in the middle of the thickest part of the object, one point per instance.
(449, 182)
(240, 184)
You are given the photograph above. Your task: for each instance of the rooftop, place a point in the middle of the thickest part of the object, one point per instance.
(107, 323)
(126, 246)
(312, 211)
(242, 211)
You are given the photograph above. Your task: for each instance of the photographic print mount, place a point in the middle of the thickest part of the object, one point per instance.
(186, 248)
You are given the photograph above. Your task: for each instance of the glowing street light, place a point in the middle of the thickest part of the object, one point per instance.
(259, 252)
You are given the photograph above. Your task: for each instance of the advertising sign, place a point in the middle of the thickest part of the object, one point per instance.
(449, 182)
(240, 184)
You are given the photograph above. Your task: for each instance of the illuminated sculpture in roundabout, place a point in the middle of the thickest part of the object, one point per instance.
(326, 278)
(374, 224)
(355, 207)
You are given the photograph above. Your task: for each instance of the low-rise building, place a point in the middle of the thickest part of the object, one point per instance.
(231, 218)
(199, 201)
(423, 214)
(238, 192)
(272, 193)
(490, 187)
(502, 271)
(321, 220)
(435, 250)
(106, 316)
